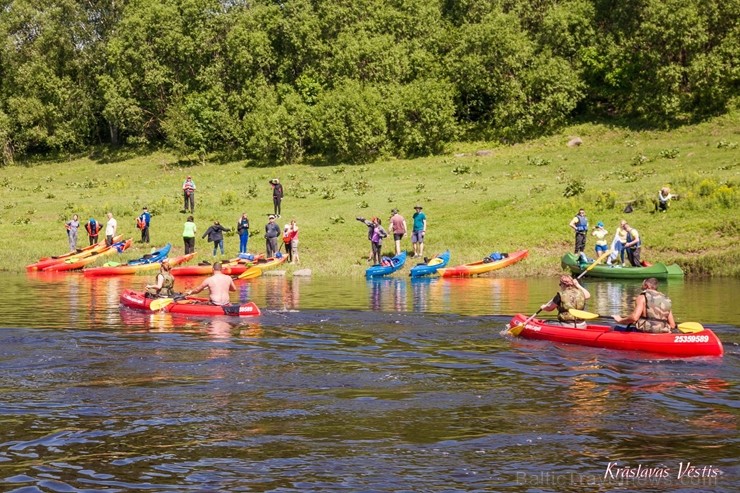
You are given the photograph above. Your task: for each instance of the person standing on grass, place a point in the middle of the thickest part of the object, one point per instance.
(377, 241)
(72, 226)
(142, 222)
(294, 242)
(272, 231)
(188, 193)
(419, 231)
(93, 230)
(277, 196)
(215, 233)
(580, 225)
(188, 235)
(111, 227)
(398, 228)
(242, 227)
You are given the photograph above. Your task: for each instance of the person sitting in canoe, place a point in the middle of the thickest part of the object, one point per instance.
(652, 312)
(570, 295)
(164, 283)
(218, 284)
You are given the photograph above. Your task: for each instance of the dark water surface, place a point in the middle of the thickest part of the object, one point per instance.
(348, 385)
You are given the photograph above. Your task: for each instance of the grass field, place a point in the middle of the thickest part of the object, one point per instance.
(478, 198)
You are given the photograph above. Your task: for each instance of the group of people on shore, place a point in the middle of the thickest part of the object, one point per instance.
(626, 240)
(93, 228)
(398, 228)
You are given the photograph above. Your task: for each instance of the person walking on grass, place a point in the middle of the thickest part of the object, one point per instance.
(419, 231)
(215, 234)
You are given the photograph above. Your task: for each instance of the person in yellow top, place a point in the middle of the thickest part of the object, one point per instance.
(600, 233)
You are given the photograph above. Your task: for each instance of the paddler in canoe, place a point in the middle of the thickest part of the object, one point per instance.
(164, 283)
(652, 312)
(218, 284)
(570, 295)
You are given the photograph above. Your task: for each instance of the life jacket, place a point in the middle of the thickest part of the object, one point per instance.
(168, 284)
(570, 297)
(657, 308)
(287, 236)
(92, 227)
(582, 225)
(140, 222)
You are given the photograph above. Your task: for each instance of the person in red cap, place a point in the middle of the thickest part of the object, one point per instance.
(188, 192)
(570, 295)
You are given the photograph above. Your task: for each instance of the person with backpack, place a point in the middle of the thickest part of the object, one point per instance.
(93, 230)
(142, 222)
(188, 193)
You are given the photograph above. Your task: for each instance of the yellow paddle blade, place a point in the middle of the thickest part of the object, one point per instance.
(251, 273)
(160, 303)
(690, 327)
(516, 330)
(582, 315)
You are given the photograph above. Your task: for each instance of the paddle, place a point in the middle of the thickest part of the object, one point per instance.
(160, 303)
(250, 273)
(685, 327)
(516, 330)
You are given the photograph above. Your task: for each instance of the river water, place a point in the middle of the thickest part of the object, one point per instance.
(347, 385)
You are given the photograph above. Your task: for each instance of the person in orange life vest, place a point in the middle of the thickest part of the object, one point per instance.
(142, 222)
(188, 192)
(93, 230)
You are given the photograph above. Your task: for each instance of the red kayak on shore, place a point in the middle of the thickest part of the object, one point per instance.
(703, 343)
(190, 305)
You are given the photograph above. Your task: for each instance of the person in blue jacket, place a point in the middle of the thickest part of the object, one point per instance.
(142, 222)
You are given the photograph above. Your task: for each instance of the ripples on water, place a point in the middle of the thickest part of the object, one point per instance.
(371, 396)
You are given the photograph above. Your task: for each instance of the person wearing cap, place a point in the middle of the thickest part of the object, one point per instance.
(419, 231)
(164, 283)
(93, 230)
(580, 225)
(398, 228)
(272, 232)
(600, 233)
(188, 192)
(277, 196)
(570, 295)
(142, 222)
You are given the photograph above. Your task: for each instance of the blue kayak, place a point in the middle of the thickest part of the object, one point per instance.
(387, 266)
(156, 256)
(426, 269)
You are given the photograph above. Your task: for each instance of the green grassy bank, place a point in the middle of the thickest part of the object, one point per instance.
(478, 198)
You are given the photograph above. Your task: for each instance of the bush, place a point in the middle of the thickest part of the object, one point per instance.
(574, 188)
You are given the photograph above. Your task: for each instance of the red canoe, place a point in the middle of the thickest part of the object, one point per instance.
(190, 305)
(704, 343)
(481, 267)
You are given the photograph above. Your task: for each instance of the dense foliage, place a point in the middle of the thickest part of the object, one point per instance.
(352, 80)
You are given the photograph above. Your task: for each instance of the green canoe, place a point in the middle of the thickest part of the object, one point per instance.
(657, 270)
